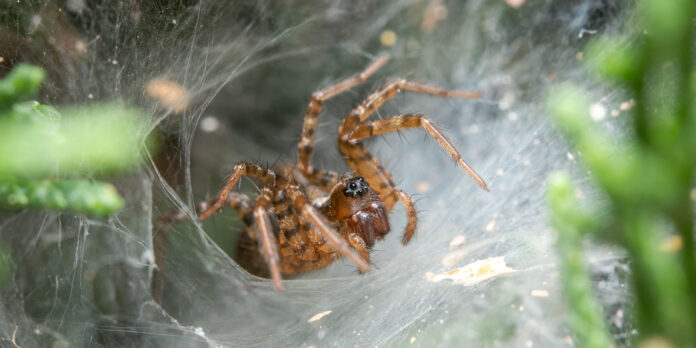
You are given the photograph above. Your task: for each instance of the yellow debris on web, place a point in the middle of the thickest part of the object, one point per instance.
(318, 316)
(474, 272)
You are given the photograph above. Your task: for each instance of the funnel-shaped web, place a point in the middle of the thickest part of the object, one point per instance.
(248, 69)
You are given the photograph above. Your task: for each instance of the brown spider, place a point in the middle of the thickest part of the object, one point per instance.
(300, 228)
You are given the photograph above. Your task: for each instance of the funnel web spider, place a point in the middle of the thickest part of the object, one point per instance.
(291, 230)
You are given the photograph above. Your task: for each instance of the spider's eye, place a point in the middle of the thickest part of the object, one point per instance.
(356, 187)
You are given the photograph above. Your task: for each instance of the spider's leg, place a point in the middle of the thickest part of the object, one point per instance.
(286, 223)
(359, 244)
(397, 123)
(411, 215)
(240, 169)
(238, 201)
(354, 151)
(268, 241)
(388, 91)
(334, 239)
(325, 179)
(322, 179)
(242, 204)
(322, 253)
(293, 173)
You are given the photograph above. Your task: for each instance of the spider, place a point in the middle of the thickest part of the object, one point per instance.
(306, 218)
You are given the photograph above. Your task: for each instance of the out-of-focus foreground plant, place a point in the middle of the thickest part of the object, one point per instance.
(647, 177)
(43, 155)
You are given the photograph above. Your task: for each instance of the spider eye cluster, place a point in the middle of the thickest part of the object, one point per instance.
(356, 187)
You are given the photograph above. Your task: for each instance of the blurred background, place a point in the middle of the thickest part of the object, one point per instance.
(221, 82)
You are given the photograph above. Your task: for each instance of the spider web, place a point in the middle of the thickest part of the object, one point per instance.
(248, 68)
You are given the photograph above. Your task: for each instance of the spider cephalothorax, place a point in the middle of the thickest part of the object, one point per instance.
(292, 234)
(357, 209)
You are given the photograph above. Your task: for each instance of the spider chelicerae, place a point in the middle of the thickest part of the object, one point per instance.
(305, 218)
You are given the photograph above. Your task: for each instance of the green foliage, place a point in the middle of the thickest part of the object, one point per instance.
(20, 85)
(585, 314)
(613, 59)
(42, 152)
(102, 138)
(646, 176)
(76, 195)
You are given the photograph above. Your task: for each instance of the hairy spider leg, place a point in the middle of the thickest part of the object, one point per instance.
(361, 160)
(359, 244)
(266, 176)
(377, 99)
(268, 240)
(303, 206)
(411, 215)
(238, 201)
(294, 175)
(356, 153)
(398, 123)
(321, 178)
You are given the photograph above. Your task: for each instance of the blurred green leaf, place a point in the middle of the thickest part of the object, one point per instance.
(620, 167)
(101, 138)
(647, 175)
(21, 84)
(668, 21)
(585, 317)
(615, 59)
